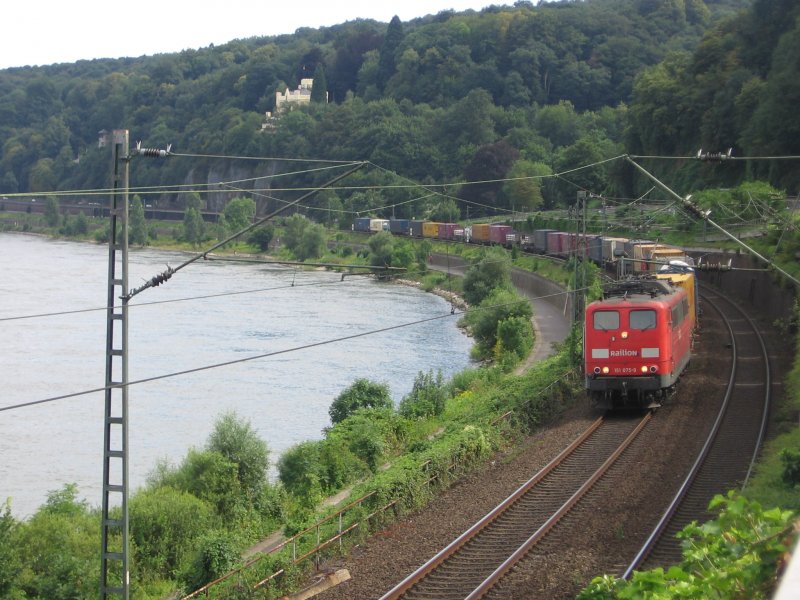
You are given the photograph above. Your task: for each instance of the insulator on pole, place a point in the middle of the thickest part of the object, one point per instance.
(713, 156)
(153, 152)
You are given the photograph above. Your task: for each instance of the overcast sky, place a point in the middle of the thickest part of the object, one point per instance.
(43, 32)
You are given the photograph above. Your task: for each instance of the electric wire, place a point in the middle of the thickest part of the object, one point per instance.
(169, 301)
(162, 277)
(245, 359)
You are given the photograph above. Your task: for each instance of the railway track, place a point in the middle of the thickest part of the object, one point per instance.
(728, 455)
(724, 462)
(474, 562)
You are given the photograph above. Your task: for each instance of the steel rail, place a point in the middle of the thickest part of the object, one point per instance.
(470, 533)
(520, 552)
(680, 495)
(434, 563)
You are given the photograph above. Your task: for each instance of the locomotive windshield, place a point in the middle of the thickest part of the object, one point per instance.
(642, 319)
(605, 320)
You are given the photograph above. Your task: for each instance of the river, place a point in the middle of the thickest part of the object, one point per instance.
(285, 397)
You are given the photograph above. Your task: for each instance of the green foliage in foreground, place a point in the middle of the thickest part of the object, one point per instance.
(734, 556)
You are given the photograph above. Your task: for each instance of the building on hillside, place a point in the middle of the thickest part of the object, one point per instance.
(302, 95)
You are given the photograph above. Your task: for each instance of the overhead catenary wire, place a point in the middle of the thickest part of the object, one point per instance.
(172, 300)
(448, 315)
(161, 277)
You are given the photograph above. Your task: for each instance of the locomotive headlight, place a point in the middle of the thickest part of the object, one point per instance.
(644, 368)
(605, 370)
(624, 335)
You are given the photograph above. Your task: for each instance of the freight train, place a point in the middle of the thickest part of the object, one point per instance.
(626, 255)
(638, 338)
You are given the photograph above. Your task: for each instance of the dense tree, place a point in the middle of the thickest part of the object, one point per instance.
(138, 224)
(493, 270)
(488, 167)
(459, 79)
(262, 237)
(51, 212)
(236, 440)
(304, 238)
(319, 91)
(523, 190)
(239, 213)
(388, 60)
(193, 227)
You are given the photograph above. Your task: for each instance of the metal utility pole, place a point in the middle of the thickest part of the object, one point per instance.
(114, 568)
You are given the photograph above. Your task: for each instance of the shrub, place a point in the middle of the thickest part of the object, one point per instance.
(426, 398)
(493, 270)
(734, 556)
(58, 548)
(361, 394)
(498, 306)
(299, 470)
(790, 461)
(216, 554)
(165, 523)
(514, 336)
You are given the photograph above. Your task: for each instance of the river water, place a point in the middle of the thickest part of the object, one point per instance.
(285, 397)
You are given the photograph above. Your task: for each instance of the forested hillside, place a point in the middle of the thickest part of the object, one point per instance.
(501, 93)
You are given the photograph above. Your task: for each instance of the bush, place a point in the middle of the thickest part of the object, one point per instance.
(216, 554)
(498, 306)
(165, 523)
(210, 476)
(734, 556)
(514, 336)
(58, 548)
(426, 398)
(299, 470)
(261, 237)
(363, 393)
(790, 460)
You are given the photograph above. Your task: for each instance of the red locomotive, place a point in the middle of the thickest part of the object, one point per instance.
(637, 342)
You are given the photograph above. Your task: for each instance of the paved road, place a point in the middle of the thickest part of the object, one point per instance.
(552, 310)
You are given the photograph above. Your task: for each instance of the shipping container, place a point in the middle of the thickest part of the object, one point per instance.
(447, 231)
(613, 248)
(361, 224)
(480, 233)
(595, 244)
(558, 244)
(416, 228)
(376, 225)
(640, 254)
(540, 240)
(662, 255)
(400, 226)
(497, 233)
(430, 229)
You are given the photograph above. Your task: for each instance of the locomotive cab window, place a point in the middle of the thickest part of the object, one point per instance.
(606, 320)
(642, 319)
